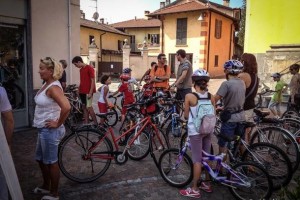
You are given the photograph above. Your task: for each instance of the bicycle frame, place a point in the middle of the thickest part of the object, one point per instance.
(145, 122)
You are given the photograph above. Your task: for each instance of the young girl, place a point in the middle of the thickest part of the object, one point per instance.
(103, 102)
(199, 141)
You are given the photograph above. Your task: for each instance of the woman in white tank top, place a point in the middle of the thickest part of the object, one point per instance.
(198, 141)
(51, 110)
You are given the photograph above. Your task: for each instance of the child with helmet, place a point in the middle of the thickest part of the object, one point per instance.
(127, 91)
(232, 92)
(276, 99)
(199, 141)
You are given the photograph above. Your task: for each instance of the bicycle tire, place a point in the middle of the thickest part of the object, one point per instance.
(280, 138)
(174, 139)
(175, 173)
(139, 149)
(156, 146)
(112, 117)
(292, 125)
(274, 160)
(258, 177)
(291, 113)
(73, 160)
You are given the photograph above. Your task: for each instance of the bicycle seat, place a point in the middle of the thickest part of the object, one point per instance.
(260, 113)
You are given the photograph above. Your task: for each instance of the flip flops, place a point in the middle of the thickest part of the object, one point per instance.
(39, 190)
(49, 198)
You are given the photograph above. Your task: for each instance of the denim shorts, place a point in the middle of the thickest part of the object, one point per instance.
(47, 144)
(230, 129)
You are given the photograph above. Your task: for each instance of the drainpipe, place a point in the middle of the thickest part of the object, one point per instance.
(101, 45)
(230, 41)
(162, 34)
(69, 40)
(208, 42)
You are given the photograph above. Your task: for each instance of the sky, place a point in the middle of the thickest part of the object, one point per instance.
(121, 10)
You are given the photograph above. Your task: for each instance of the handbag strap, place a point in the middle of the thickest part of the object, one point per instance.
(252, 89)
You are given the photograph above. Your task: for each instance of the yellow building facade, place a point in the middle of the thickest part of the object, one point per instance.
(271, 22)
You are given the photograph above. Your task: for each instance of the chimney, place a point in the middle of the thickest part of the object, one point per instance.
(226, 3)
(82, 14)
(101, 20)
(146, 12)
(167, 2)
(162, 4)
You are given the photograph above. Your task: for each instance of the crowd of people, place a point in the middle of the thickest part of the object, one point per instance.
(52, 107)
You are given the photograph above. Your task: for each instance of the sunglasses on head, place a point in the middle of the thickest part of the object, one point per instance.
(48, 58)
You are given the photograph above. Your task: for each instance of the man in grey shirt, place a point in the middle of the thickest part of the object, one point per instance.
(184, 75)
(232, 92)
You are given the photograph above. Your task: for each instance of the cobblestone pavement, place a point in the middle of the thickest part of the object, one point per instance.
(133, 180)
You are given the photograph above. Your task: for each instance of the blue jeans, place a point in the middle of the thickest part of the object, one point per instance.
(230, 129)
(47, 144)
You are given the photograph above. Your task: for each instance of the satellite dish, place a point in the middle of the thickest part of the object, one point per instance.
(95, 16)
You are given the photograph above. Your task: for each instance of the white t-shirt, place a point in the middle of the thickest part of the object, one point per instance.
(4, 102)
(46, 108)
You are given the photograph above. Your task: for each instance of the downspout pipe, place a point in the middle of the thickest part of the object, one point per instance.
(69, 40)
(101, 45)
(230, 42)
(208, 42)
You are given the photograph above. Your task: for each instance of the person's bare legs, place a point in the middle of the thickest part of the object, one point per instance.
(46, 175)
(196, 177)
(92, 114)
(54, 177)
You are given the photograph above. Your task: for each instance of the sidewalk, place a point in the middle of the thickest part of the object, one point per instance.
(133, 180)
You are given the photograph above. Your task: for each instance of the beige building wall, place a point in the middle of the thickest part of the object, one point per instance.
(109, 40)
(193, 36)
(50, 34)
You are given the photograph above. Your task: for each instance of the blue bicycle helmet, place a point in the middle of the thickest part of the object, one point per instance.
(200, 74)
(233, 66)
(127, 70)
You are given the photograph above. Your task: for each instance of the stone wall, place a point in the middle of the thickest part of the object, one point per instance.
(277, 59)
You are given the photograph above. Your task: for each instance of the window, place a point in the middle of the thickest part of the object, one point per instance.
(120, 45)
(181, 31)
(218, 29)
(91, 38)
(216, 60)
(132, 39)
(153, 38)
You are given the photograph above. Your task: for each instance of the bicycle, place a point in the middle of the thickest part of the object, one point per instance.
(176, 169)
(114, 112)
(85, 155)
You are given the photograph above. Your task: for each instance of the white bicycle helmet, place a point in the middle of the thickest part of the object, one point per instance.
(233, 66)
(200, 74)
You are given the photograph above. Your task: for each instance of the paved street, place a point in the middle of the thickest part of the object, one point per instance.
(133, 180)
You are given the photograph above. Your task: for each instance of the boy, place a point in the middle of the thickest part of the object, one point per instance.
(275, 102)
(87, 88)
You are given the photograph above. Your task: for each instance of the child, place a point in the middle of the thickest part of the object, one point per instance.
(147, 87)
(199, 141)
(103, 102)
(275, 102)
(127, 91)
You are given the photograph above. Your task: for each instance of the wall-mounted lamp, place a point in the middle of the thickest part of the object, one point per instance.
(202, 16)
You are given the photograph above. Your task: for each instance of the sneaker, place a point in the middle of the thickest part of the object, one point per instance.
(205, 187)
(189, 192)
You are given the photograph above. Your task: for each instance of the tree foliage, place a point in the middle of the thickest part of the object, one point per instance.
(241, 33)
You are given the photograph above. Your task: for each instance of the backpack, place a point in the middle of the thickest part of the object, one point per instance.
(156, 66)
(205, 119)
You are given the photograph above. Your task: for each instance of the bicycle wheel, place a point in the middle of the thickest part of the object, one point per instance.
(280, 138)
(174, 134)
(260, 183)
(157, 146)
(274, 160)
(112, 117)
(131, 116)
(139, 149)
(79, 164)
(292, 125)
(175, 169)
